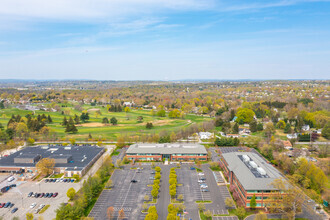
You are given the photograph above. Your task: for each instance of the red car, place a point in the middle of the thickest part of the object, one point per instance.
(55, 194)
(2, 205)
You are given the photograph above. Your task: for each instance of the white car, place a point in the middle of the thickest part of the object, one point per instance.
(33, 205)
(201, 181)
(204, 186)
(201, 174)
(11, 179)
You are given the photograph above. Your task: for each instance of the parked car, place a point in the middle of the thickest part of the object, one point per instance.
(200, 174)
(46, 195)
(204, 186)
(205, 190)
(202, 178)
(133, 181)
(201, 181)
(50, 195)
(14, 210)
(30, 194)
(36, 211)
(152, 172)
(7, 205)
(42, 195)
(151, 178)
(33, 205)
(11, 205)
(11, 179)
(2, 205)
(55, 194)
(72, 180)
(46, 180)
(192, 168)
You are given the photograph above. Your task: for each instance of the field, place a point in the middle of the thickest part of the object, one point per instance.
(127, 122)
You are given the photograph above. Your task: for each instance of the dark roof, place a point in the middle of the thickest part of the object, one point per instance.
(81, 155)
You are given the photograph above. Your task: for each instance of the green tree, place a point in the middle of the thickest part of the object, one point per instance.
(253, 126)
(71, 193)
(235, 128)
(253, 202)
(229, 202)
(240, 212)
(70, 127)
(326, 131)
(261, 216)
(161, 113)
(113, 121)
(287, 128)
(244, 115)
(281, 124)
(149, 125)
(260, 127)
(105, 120)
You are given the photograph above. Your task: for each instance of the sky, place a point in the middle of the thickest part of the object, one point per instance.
(164, 39)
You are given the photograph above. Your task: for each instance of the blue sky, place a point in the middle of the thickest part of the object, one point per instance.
(164, 39)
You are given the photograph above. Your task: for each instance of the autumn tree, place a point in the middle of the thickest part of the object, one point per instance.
(71, 193)
(121, 214)
(29, 216)
(229, 202)
(110, 212)
(45, 166)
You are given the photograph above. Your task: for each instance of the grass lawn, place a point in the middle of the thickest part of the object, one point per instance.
(203, 217)
(127, 122)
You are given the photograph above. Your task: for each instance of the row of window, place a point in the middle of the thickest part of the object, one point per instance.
(257, 197)
(258, 204)
(258, 191)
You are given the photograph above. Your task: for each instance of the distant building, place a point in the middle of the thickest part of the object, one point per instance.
(129, 104)
(232, 135)
(158, 152)
(205, 135)
(292, 136)
(68, 159)
(249, 174)
(305, 128)
(287, 145)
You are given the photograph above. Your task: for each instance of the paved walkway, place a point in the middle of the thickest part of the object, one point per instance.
(164, 194)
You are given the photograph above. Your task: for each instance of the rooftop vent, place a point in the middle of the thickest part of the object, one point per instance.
(253, 164)
(246, 158)
(261, 171)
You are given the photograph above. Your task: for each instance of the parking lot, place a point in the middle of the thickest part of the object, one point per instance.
(193, 192)
(19, 196)
(125, 194)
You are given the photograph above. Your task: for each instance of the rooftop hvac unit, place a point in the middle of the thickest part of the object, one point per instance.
(246, 158)
(253, 164)
(261, 171)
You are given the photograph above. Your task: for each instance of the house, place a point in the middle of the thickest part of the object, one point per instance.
(244, 131)
(129, 104)
(205, 135)
(292, 136)
(287, 145)
(232, 135)
(305, 128)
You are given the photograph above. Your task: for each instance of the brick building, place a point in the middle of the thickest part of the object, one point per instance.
(249, 174)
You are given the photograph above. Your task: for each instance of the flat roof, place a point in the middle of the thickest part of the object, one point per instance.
(166, 149)
(81, 155)
(248, 176)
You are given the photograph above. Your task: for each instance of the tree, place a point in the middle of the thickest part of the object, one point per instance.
(161, 113)
(70, 127)
(110, 212)
(326, 131)
(149, 125)
(46, 166)
(287, 199)
(240, 212)
(260, 127)
(244, 115)
(235, 128)
(269, 129)
(84, 117)
(113, 121)
(105, 120)
(287, 128)
(253, 202)
(253, 126)
(281, 124)
(180, 197)
(71, 193)
(30, 141)
(201, 206)
(229, 202)
(65, 121)
(29, 216)
(139, 118)
(121, 214)
(208, 214)
(261, 216)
